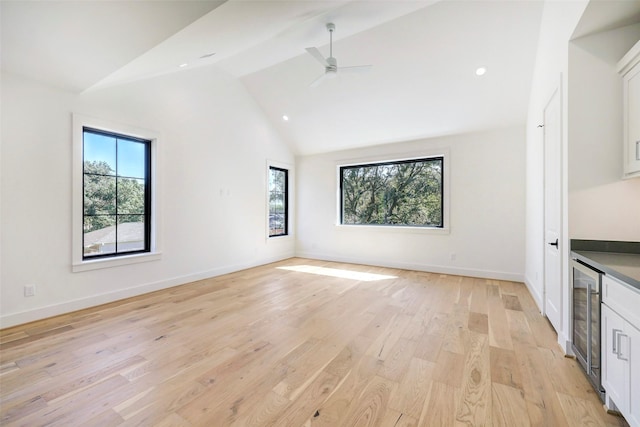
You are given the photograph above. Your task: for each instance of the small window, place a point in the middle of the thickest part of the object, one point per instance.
(278, 201)
(116, 216)
(395, 193)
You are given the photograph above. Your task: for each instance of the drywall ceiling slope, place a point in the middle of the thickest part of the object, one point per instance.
(350, 18)
(608, 29)
(423, 82)
(249, 35)
(600, 16)
(74, 44)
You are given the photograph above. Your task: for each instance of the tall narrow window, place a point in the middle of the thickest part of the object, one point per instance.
(117, 196)
(278, 201)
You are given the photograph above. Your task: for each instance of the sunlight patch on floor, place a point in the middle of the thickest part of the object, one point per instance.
(334, 272)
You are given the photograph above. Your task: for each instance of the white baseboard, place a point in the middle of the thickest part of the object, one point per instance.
(535, 294)
(458, 271)
(565, 343)
(13, 319)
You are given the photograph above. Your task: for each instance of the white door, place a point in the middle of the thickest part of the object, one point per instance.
(553, 210)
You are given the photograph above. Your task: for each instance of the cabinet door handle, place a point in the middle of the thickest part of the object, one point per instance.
(619, 352)
(615, 341)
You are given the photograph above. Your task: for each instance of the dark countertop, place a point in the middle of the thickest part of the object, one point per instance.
(617, 259)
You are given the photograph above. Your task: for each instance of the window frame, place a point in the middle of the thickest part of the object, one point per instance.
(443, 153)
(78, 261)
(291, 212)
(147, 193)
(286, 201)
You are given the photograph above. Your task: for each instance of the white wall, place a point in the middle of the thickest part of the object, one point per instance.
(487, 210)
(602, 206)
(213, 152)
(559, 18)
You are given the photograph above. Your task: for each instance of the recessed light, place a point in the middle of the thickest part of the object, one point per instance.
(481, 71)
(285, 118)
(183, 65)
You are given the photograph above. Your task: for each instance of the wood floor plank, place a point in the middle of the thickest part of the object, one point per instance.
(478, 323)
(581, 412)
(499, 334)
(440, 407)
(504, 367)
(508, 406)
(542, 402)
(339, 401)
(479, 297)
(305, 407)
(369, 407)
(300, 342)
(474, 407)
(414, 388)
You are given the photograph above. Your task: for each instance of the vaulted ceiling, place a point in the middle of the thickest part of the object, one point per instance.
(424, 55)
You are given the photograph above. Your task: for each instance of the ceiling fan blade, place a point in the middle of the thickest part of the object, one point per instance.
(313, 51)
(319, 80)
(356, 69)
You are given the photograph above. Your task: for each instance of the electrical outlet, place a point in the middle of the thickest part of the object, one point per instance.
(29, 290)
(452, 256)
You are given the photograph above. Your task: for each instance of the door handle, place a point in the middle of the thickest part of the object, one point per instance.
(554, 243)
(614, 341)
(619, 353)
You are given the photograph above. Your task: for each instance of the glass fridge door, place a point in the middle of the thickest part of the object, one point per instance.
(581, 284)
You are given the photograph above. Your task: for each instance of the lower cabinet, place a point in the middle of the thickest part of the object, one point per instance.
(621, 363)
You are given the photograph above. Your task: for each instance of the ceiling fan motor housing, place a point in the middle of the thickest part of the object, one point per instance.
(333, 65)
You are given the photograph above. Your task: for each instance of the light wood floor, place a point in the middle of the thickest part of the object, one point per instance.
(274, 346)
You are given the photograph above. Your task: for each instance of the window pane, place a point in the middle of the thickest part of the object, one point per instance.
(277, 180)
(131, 159)
(99, 153)
(276, 224)
(130, 196)
(278, 201)
(99, 194)
(406, 193)
(99, 235)
(131, 232)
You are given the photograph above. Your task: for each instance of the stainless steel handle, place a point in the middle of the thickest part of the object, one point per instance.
(619, 353)
(614, 341)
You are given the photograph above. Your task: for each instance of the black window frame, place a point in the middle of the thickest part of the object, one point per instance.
(147, 195)
(440, 158)
(285, 231)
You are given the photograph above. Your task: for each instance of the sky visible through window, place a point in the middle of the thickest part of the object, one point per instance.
(103, 148)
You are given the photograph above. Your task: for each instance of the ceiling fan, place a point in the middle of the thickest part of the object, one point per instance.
(331, 64)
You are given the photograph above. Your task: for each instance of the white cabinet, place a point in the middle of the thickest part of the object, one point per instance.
(629, 68)
(621, 348)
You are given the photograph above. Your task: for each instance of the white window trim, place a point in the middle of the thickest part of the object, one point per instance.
(79, 122)
(422, 154)
(290, 203)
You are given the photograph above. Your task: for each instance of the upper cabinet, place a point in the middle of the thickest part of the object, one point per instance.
(629, 68)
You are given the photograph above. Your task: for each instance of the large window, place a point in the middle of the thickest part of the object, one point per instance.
(278, 201)
(397, 193)
(116, 194)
